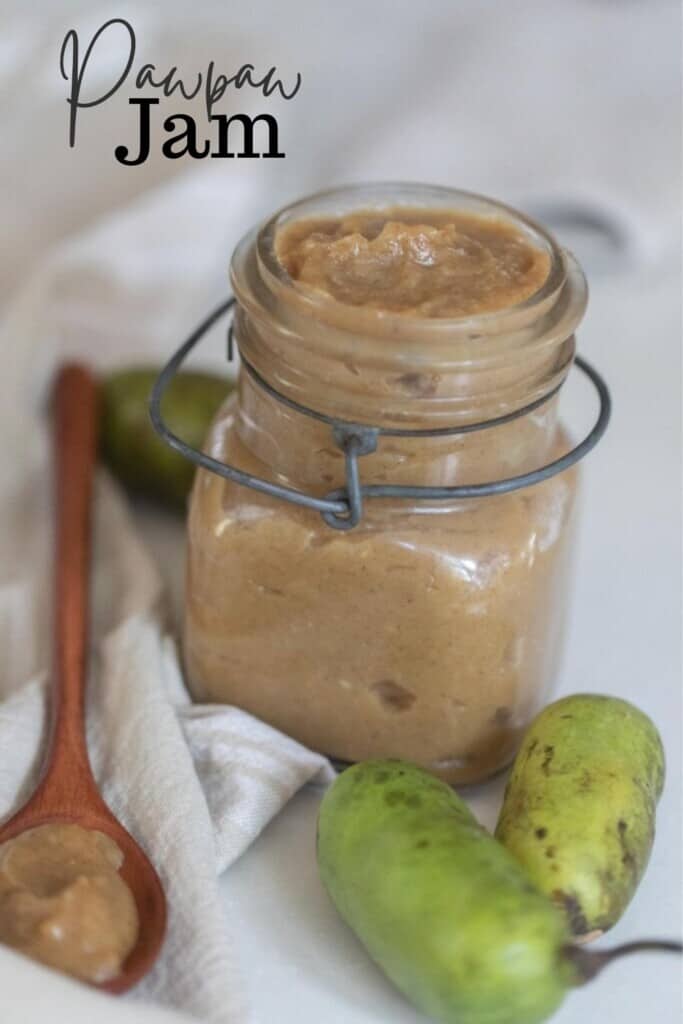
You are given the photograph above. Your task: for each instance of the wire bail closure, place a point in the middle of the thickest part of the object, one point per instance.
(353, 441)
(342, 509)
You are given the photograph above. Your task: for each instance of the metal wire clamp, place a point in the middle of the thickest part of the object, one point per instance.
(342, 509)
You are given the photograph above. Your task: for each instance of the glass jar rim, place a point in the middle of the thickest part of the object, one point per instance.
(376, 195)
(394, 366)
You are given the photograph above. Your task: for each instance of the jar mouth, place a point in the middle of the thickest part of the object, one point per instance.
(392, 368)
(343, 200)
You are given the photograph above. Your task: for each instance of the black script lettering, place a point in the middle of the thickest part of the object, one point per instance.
(214, 90)
(145, 77)
(269, 85)
(76, 73)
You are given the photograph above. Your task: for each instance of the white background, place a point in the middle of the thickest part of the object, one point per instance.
(566, 108)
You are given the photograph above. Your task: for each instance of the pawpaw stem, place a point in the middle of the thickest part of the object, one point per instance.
(590, 963)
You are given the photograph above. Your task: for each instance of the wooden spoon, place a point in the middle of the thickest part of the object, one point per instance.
(67, 792)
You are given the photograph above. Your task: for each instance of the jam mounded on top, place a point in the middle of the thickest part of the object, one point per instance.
(421, 262)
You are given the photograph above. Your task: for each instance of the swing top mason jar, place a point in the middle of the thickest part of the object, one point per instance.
(432, 630)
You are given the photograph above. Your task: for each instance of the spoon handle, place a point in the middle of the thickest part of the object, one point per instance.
(67, 777)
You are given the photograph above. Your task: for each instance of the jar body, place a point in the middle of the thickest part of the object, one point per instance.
(427, 633)
(431, 631)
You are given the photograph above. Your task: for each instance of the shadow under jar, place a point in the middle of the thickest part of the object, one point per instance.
(432, 630)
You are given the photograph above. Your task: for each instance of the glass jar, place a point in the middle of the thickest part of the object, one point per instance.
(432, 630)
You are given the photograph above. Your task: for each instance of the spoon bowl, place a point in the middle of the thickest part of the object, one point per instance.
(136, 871)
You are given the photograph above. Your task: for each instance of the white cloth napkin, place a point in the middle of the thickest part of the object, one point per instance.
(195, 784)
